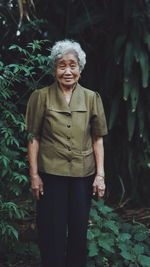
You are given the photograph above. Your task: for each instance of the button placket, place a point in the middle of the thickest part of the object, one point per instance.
(68, 134)
(69, 148)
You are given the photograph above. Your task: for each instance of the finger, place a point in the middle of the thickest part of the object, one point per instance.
(99, 197)
(101, 193)
(94, 189)
(41, 189)
(36, 194)
(101, 188)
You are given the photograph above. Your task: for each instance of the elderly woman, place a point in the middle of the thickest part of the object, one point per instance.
(66, 157)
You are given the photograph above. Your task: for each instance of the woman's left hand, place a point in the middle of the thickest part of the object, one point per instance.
(99, 186)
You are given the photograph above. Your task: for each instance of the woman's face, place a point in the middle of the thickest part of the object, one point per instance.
(67, 70)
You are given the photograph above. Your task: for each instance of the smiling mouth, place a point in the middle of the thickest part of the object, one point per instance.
(67, 79)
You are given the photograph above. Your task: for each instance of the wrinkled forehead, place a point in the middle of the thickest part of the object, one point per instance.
(69, 56)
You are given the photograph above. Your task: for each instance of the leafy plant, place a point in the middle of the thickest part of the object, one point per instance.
(129, 75)
(13, 153)
(113, 242)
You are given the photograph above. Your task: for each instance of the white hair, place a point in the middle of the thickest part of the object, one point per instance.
(63, 47)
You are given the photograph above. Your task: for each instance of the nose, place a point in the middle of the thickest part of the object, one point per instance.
(67, 71)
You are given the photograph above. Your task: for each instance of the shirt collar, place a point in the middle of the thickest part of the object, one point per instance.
(58, 102)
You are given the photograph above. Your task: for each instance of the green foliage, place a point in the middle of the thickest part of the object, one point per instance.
(113, 242)
(127, 82)
(13, 153)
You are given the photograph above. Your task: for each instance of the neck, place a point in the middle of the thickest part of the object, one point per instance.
(67, 88)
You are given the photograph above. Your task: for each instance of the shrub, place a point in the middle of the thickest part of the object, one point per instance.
(115, 243)
(28, 73)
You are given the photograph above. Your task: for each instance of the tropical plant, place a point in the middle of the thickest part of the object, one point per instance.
(129, 93)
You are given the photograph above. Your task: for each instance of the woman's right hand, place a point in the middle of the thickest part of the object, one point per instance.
(37, 186)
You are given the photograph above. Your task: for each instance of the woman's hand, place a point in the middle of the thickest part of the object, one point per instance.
(37, 186)
(99, 186)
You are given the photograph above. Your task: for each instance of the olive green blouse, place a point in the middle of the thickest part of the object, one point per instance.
(66, 131)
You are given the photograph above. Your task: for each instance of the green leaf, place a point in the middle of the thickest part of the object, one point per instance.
(138, 249)
(141, 236)
(123, 245)
(36, 45)
(127, 255)
(94, 214)
(124, 236)
(131, 120)
(12, 47)
(134, 94)
(144, 260)
(8, 231)
(20, 177)
(97, 230)
(16, 69)
(128, 59)
(90, 235)
(106, 243)
(15, 234)
(112, 225)
(1, 64)
(20, 164)
(93, 249)
(126, 88)
(12, 65)
(5, 160)
(144, 63)
(103, 209)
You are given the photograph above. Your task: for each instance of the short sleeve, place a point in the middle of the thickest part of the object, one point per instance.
(34, 113)
(98, 120)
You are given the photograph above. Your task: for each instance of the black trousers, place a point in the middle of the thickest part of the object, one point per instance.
(62, 219)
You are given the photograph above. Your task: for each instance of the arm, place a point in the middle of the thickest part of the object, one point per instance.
(99, 183)
(36, 181)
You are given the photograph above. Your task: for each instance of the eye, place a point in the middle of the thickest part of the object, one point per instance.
(73, 66)
(62, 67)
